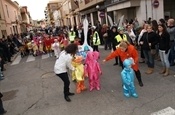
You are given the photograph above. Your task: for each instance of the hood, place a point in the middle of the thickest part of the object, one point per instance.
(90, 55)
(86, 48)
(96, 55)
(127, 63)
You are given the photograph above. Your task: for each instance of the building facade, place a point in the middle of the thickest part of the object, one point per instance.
(52, 13)
(26, 24)
(10, 18)
(94, 10)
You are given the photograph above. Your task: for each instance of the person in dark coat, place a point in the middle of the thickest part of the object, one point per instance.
(114, 41)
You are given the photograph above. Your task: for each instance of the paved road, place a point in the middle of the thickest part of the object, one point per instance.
(31, 88)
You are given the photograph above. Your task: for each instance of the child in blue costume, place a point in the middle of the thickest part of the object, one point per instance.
(127, 75)
(83, 53)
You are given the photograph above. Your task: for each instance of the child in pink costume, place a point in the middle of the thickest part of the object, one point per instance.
(93, 70)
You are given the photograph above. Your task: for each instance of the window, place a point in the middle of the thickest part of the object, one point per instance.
(7, 10)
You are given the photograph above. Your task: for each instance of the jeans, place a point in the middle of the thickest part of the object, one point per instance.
(172, 53)
(164, 58)
(149, 58)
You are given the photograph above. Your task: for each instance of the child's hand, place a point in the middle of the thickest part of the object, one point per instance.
(104, 61)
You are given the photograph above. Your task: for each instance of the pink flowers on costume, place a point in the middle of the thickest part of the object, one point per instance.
(93, 69)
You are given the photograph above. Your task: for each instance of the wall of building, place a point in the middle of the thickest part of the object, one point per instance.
(11, 13)
(147, 10)
(2, 22)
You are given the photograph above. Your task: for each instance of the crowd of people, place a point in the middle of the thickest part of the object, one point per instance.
(154, 40)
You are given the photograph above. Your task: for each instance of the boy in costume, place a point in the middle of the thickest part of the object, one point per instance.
(127, 75)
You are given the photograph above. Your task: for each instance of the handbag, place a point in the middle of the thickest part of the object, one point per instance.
(153, 51)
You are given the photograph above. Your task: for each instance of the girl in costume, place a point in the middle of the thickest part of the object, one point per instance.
(93, 70)
(35, 48)
(128, 78)
(56, 48)
(41, 47)
(78, 74)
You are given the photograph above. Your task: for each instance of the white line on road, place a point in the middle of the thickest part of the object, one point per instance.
(166, 111)
(45, 56)
(17, 60)
(30, 58)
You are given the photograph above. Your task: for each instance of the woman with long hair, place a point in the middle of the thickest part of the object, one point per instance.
(164, 48)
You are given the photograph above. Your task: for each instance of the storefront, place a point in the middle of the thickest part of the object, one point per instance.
(169, 9)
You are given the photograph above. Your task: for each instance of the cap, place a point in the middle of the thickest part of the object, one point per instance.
(120, 28)
(93, 27)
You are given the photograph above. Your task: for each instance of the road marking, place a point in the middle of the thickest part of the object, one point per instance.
(17, 60)
(45, 56)
(166, 111)
(30, 58)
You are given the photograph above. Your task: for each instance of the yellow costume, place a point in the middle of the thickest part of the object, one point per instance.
(78, 74)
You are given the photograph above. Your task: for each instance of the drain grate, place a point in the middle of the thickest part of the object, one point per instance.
(9, 95)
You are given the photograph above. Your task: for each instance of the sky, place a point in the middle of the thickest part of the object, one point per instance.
(35, 7)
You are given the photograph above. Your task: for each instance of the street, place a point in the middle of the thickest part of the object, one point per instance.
(31, 88)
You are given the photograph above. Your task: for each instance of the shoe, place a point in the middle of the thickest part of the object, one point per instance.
(149, 71)
(135, 95)
(115, 64)
(3, 112)
(166, 72)
(91, 89)
(71, 94)
(67, 99)
(141, 84)
(98, 88)
(163, 71)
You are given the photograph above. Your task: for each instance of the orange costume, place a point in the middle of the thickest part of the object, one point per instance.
(130, 52)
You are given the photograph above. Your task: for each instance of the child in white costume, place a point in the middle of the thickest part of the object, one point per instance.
(56, 48)
(41, 47)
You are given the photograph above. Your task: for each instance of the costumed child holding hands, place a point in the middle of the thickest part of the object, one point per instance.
(93, 70)
(79, 73)
(127, 75)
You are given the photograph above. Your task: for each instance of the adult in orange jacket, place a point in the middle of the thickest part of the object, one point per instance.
(125, 51)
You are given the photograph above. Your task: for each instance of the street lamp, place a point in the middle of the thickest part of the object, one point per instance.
(97, 7)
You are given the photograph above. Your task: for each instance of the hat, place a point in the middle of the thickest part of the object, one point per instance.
(93, 27)
(120, 28)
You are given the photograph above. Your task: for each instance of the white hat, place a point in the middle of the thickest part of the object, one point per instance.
(93, 27)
